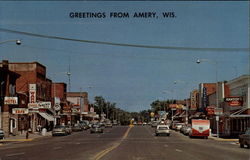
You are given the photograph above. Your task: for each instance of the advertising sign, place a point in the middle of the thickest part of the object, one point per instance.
(11, 100)
(32, 93)
(20, 111)
(234, 101)
(193, 100)
(152, 114)
(42, 105)
(218, 111)
(204, 98)
(173, 106)
(210, 110)
(92, 109)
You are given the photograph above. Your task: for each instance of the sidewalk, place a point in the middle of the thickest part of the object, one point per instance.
(22, 137)
(214, 137)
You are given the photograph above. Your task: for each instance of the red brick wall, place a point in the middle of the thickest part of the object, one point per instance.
(211, 87)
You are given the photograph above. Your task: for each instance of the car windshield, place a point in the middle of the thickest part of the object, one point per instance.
(163, 128)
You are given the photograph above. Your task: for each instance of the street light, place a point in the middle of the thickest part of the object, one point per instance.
(18, 41)
(216, 75)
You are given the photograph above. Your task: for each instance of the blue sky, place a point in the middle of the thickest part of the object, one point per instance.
(131, 77)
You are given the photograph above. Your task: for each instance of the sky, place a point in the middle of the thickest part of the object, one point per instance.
(132, 77)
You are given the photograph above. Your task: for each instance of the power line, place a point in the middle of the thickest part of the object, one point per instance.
(123, 44)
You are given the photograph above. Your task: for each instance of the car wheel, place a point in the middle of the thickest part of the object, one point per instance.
(248, 146)
(241, 145)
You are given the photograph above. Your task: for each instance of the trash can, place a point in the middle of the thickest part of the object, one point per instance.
(44, 131)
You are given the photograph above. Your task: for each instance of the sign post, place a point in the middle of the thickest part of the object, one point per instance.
(218, 112)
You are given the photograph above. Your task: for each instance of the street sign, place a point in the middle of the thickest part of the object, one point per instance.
(217, 118)
(57, 107)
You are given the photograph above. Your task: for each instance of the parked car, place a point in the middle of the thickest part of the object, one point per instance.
(162, 130)
(1, 134)
(77, 128)
(244, 139)
(85, 126)
(179, 126)
(68, 129)
(154, 124)
(108, 125)
(187, 130)
(96, 129)
(59, 131)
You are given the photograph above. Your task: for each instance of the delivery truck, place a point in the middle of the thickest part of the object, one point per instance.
(200, 128)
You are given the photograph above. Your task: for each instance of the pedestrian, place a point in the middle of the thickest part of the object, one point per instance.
(27, 134)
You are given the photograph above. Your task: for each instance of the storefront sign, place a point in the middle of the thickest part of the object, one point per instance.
(152, 114)
(210, 110)
(11, 100)
(32, 93)
(204, 98)
(75, 110)
(92, 109)
(193, 100)
(218, 111)
(234, 101)
(20, 111)
(46, 105)
(173, 106)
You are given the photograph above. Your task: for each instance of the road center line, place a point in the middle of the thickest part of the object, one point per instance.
(15, 154)
(99, 155)
(55, 148)
(178, 150)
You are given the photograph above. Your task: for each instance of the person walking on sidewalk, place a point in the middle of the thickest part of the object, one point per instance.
(27, 134)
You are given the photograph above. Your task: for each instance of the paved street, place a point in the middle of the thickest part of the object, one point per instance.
(123, 143)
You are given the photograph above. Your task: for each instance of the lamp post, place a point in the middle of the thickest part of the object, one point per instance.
(187, 109)
(216, 76)
(18, 41)
(1, 97)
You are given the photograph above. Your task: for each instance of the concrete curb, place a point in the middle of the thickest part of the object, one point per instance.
(225, 140)
(16, 140)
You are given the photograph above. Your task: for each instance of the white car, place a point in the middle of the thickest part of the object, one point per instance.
(162, 130)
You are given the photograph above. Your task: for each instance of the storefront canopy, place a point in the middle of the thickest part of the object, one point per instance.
(47, 116)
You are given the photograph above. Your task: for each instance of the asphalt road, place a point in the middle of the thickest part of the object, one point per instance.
(123, 143)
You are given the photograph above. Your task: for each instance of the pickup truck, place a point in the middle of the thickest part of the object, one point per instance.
(244, 139)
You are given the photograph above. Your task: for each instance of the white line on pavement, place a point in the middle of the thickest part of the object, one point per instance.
(178, 150)
(55, 148)
(15, 154)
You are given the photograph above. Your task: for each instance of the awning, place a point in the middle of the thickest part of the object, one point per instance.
(47, 116)
(238, 114)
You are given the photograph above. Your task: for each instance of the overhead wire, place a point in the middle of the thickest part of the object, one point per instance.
(124, 44)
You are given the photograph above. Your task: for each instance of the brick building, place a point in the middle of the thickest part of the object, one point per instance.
(8, 99)
(80, 104)
(34, 84)
(60, 103)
